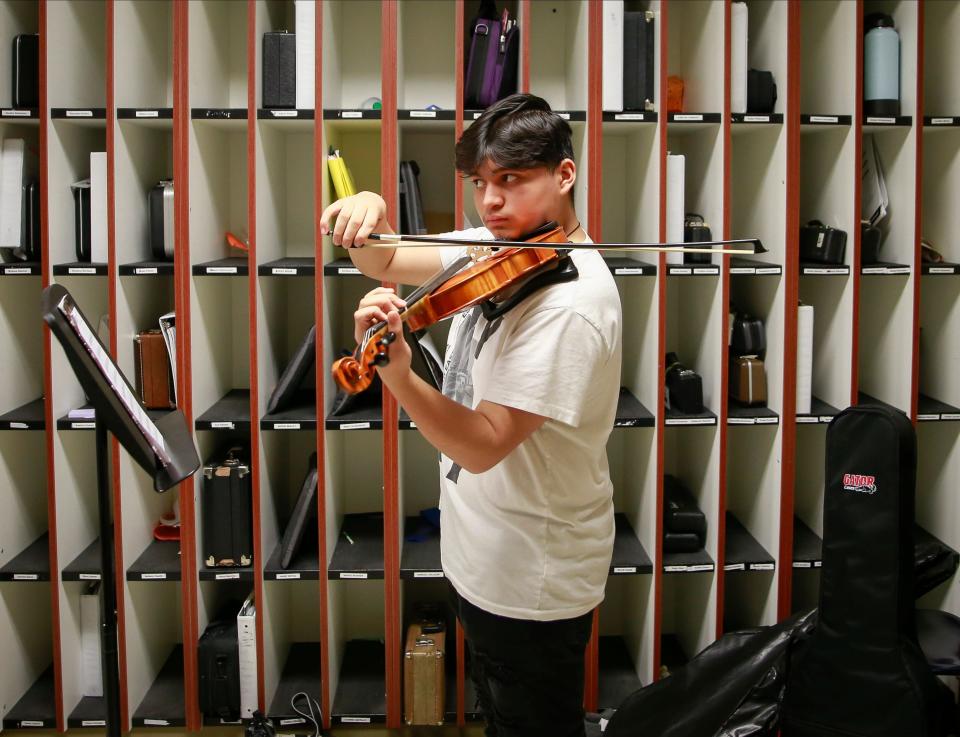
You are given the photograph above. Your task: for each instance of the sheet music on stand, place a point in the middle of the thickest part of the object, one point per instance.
(875, 200)
(116, 380)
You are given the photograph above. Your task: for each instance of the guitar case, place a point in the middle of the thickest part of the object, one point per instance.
(862, 673)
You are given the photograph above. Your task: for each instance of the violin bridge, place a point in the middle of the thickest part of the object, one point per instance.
(478, 252)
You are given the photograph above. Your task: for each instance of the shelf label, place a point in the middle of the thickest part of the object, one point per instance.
(222, 425)
(423, 113)
(898, 270)
(350, 574)
(690, 421)
(950, 416)
(351, 113)
(355, 720)
(826, 419)
(283, 271)
(153, 576)
(156, 723)
(824, 119)
(762, 566)
(146, 270)
(769, 270)
(565, 116)
(626, 270)
(79, 113)
(28, 270)
(700, 567)
(756, 118)
(807, 420)
(680, 270)
(83, 425)
(30, 723)
(767, 420)
(284, 113)
(221, 269)
(928, 417)
(477, 115)
(931, 270)
(741, 420)
(742, 270)
(82, 270)
(93, 723)
(292, 720)
(11, 113)
(624, 569)
(802, 564)
(26, 577)
(227, 576)
(348, 270)
(288, 576)
(818, 270)
(688, 117)
(630, 116)
(933, 121)
(818, 564)
(881, 121)
(734, 567)
(355, 426)
(286, 425)
(707, 270)
(146, 114)
(428, 574)
(19, 426)
(89, 576)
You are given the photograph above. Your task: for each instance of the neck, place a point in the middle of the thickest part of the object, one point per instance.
(570, 223)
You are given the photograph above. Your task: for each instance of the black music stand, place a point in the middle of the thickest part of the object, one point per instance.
(163, 448)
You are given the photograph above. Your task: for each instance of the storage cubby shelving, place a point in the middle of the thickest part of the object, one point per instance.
(175, 90)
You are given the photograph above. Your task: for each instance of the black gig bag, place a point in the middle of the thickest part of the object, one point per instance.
(761, 91)
(218, 663)
(639, 44)
(863, 674)
(411, 203)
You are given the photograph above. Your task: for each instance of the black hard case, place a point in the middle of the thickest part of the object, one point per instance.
(680, 510)
(695, 231)
(863, 673)
(160, 202)
(684, 387)
(218, 660)
(821, 243)
(81, 218)
(26, 71)
(279, 69)
(761, 91)
(638, 67)
(227, 513)
(748, 336)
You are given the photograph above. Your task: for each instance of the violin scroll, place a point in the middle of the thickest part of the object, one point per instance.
(354, 375)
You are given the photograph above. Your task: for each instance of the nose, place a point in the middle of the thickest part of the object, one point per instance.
(492, 197)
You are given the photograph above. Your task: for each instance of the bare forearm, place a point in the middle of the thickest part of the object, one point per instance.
(373, 262)
(462, 434)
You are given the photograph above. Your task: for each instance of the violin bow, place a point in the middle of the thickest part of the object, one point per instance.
(423, 241)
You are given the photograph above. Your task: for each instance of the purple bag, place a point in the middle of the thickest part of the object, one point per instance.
(493, 60)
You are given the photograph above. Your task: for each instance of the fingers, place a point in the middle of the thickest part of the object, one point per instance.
(374, 308)
(384, 297)
(356, 217)
(332, 209)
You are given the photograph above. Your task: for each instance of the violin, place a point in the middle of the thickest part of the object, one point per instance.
(536, 259)
(451, 291)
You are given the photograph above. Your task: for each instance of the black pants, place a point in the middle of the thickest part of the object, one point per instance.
(528, 674)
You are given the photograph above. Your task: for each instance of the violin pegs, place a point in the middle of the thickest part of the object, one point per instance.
(389, 338)
(381, 359)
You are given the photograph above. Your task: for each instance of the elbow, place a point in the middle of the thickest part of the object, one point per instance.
(483, 462)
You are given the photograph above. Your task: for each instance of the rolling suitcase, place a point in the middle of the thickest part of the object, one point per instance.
(160, 200)
(152, 368)
(227, 512)
(748, 381)
(424, 677)
(218, 661)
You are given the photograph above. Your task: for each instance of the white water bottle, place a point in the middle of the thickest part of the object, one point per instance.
(881, 66)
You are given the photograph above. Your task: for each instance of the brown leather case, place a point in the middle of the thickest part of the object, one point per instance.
(748, 380)
(152, 366)
(424, 681)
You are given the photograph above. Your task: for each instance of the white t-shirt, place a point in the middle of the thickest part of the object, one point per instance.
(532, 538)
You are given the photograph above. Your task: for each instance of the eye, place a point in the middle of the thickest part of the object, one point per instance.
(509, 177)
(477, 183)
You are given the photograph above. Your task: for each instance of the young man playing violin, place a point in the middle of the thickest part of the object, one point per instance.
(528, 402)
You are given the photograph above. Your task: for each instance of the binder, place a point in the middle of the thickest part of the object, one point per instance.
(247, 651)
(306, 33)
(613, 55)
(98, 207)
(340, 175)
(804, 358)
(738, 57)
(675, 198)
(91, 670)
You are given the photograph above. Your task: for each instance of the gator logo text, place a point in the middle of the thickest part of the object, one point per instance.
(857, 482)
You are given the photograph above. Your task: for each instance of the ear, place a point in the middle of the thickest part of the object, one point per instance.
(566, 174)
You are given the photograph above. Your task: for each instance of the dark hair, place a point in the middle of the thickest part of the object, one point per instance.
(518, 132)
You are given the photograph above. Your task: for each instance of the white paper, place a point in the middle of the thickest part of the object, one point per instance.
(613, 55)
(738, 57)
(804, 358)
(675, 204)
(98, 207)
(90, 664)
(306, 32)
